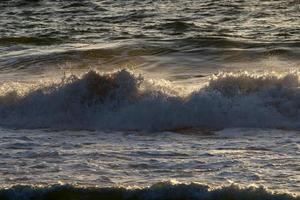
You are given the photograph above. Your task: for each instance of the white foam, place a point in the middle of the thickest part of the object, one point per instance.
(124, 100)
(163, 190)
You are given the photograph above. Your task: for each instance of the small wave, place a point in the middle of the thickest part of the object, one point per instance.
(109, 57)
(157, 191)
(126, 101)
(177, 26)
(132, 16)
(29, 40)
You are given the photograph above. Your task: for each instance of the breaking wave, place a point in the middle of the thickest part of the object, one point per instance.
(157, 191)
(125, 101)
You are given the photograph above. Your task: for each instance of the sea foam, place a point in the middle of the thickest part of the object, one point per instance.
(157, 191)
(124, 100)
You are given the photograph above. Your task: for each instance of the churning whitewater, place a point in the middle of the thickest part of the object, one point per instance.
(159, 191)
(124, 100)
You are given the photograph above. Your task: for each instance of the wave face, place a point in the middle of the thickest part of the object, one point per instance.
(155, 192)
(126, 101)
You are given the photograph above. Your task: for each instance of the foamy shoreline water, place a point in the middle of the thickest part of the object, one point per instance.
(158, 191)
(244, 157)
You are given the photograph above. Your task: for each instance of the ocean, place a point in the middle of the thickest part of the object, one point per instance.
(150, 99)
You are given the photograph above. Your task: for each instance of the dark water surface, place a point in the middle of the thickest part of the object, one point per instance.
(180, 38)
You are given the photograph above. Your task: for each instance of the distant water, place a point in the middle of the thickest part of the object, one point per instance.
(177, 39)
(149, 99)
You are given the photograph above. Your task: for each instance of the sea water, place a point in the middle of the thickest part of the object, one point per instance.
(149, 99)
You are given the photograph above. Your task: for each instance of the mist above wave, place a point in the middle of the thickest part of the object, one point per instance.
(124, 100)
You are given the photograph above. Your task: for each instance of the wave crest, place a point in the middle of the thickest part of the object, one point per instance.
(230, 84)
(95, 88)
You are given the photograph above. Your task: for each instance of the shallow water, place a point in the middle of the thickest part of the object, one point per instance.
(268, 158)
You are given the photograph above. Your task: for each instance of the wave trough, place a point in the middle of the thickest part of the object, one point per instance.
(124, 100)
